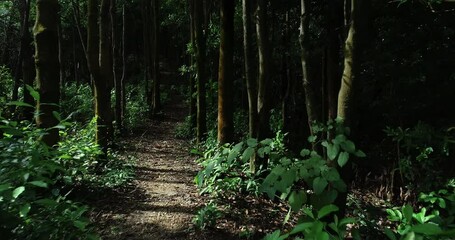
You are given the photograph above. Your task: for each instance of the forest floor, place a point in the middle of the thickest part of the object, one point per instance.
(163, 199)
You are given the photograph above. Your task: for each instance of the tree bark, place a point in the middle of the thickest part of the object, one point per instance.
(117, 80)
(264, 70)
(47, 66)
(308, 85)
(123, 79)
(225, 74)
(200, 68)
(251, 82)
(156, 101)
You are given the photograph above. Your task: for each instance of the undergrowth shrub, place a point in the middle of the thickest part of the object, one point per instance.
(77, 101)
(136, 109)
(423, 154)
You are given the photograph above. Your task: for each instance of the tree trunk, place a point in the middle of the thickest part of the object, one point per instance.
(47, 66)
(192, 81)
(251, 82)
(346, 90)
(156, 101)
(308, 85)
(117, 84)
(28, 71)
(146, 48)
(200, 66)
(225, 74)
(264, 70)
(123, 79)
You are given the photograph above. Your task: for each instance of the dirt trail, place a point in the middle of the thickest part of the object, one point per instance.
(163, 199)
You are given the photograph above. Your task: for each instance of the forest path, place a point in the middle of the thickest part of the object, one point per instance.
(163, 199)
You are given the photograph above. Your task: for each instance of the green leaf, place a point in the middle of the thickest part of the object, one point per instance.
(247, 154)
(348, 146)
(33, 92)
(39, 184)
(339, 139)
(322, 236)
(326, 210)
(410, 236)
(80, 224)
(301, 228)
(18, 191)
(305, 152)
(266, 141)
(407, 211)
(296, 200)
(332, 151)
(237, 147)
(24, 210)
(331, 175)
(312, 139)
(12, 131)
(343, 159)
(390, 234)
(360, 154)
(345, 221)
(319, 184)
(427, 229)
(252, 142)
(19, 104)
(4, 187)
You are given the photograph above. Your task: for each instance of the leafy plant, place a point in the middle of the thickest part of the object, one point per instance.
(207, 216)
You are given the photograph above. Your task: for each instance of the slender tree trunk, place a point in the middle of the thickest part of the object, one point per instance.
(156, 102)
(117, 80)
(308, 85)
(251, 82)
(123, 79)
(264, 70)
(60, 60)
(28, 69)
(333, 74)
(201, 72)
(146, 48)
(25, 15)
(47, 66)
(225, 74)
(192, 80)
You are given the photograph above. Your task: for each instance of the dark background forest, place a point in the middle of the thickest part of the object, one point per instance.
(333, 118)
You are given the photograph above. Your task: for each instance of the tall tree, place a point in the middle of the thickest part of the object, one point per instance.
(47, 66)
(200, 69)
(251, 83)
(308, 83)
(264, 69)
(225, 74)
(98, 49)
(156, 101)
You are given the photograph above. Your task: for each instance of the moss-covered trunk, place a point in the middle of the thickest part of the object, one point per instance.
(47, 66)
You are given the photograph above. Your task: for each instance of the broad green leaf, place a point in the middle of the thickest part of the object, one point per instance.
(297, 199)
(339, 139)
(39, 184)
(410, 236)
(348, 146)
(237, 147)
(331, 175)
(24, 210)
(247, 154)
(288, 178)
(407, 211)
(232, 155)
(340, 185)
(46, 202)
(278, 170)
(326, 210)
(301, 227)
(319, 184)
(332, 151)
(343, 159)
(389, 233)
(18, 191)
(252, 142)
(427, 229)
(346, 221)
